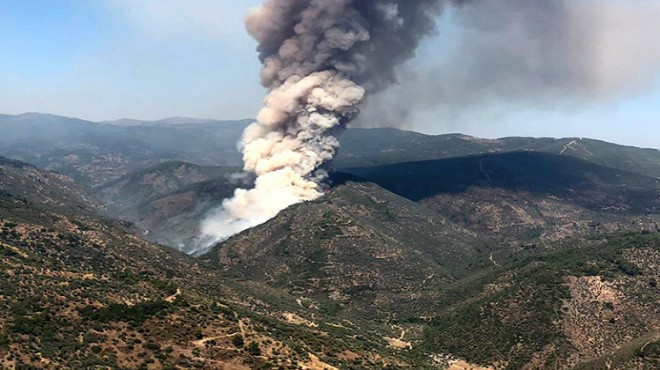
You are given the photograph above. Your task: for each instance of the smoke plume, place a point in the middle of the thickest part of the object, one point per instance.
(323, 58)
(516, 54)
(320, 60)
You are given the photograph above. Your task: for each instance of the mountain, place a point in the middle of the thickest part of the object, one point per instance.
(525, 195)
(349, 281)
(129, 191)
(374, 147)
(162, 122)
(24, 182)
(360, 250)
(79, 291)
(589, 185)
(429, 252)
(362, 253)
(511, 197)
(95, 153)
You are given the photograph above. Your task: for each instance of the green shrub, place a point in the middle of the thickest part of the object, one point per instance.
(38, 325)
(136, 314)
(629, 268)
(649, 350)
(253, 349)
(152, 346)
(238, 341)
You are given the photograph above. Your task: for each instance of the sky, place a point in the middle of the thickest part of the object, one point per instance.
(151, 59)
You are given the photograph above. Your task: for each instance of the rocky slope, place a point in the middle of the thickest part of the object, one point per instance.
(526, 195)
(77, 291)
(361, 250)
(362, 253)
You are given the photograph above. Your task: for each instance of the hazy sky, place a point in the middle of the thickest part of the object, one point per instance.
(150, 59)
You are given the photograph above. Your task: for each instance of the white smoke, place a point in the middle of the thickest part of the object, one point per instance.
(287, 163)
(309, 97)
(321, 58)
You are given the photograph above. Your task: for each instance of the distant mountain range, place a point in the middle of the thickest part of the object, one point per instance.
(95, 153)
(172, 121)
(373, 147)
(428, 252)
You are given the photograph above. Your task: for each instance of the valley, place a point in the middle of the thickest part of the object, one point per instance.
(428, 252)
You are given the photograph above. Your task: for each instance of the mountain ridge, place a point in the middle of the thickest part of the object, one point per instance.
(361, 278)
(519, 171)
(94, 153)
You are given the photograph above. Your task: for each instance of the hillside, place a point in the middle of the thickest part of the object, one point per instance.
(174, 218)
(25, 182)
(365, 254)
(126, 193)
(521, 217)
(95, 153)
(526, 195)
(589, 305)
(375, 147)
(81, 292)
(168, 201)
(360, 250)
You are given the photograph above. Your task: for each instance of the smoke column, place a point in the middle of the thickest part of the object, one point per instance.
(320, 60)
(510, 55)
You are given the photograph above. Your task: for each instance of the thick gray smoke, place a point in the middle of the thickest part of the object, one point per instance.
(323, 58)
(320, 60)
(512, 54)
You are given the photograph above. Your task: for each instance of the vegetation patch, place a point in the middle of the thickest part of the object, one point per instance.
(136, 314)
(651, 352)
(521, 320)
